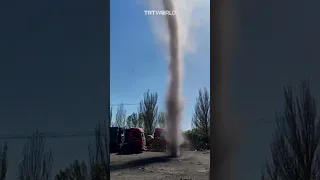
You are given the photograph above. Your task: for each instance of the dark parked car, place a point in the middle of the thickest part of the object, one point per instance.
(116, 138)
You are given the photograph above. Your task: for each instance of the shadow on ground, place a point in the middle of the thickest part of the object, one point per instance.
(127, 153)
(140, 162)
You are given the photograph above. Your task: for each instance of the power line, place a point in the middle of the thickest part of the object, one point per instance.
(125, 104)
(92, 133)
(48, 135)
(136, 104)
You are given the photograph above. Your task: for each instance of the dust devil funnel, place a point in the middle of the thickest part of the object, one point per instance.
(174, 97)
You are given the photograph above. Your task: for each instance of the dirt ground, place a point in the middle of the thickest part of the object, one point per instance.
(192, 165)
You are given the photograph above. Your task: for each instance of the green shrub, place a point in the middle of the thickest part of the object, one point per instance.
(196, 139)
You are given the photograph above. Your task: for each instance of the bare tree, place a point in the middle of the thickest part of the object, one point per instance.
(129, 123)
(3, 161)
(99, 154)
(295, 144)
(36, 164)
(121, 116)
(201, 116)
(161, 119)
(148, 110)
(75, 171)
(132, 120)
(140, 120)
(113, 124)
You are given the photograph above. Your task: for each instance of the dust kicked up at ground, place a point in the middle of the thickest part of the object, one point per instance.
(192, 165)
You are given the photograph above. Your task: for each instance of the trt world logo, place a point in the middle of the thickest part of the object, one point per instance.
(159, 13)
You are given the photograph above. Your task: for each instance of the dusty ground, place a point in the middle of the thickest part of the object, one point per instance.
(157, 165)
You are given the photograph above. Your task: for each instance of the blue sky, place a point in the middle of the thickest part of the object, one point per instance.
(138, 63)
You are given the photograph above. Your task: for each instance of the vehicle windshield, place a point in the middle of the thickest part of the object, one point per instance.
(136, 134)
(161, 134)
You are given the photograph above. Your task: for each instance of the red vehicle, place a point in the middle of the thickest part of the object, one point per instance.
(134, 140)
(159, 141)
